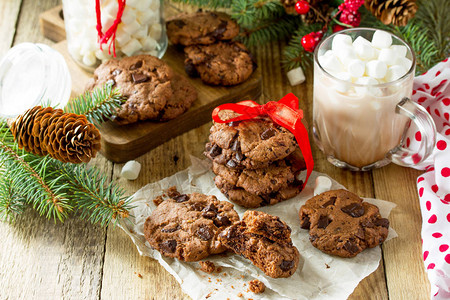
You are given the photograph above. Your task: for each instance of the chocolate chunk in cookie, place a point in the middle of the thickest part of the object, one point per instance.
(187, 226)
(220, 63)
(153, 90)
(274, 254)
(247, 145)
(342, 224)
(201, 28)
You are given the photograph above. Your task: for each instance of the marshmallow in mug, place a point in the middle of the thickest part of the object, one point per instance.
(367, 62)
(138, 32)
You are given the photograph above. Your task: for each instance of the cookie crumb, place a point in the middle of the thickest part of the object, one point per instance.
(327, 266)
(207, 266)
(172, 192)
(158, 200)
(209, 295)
(139, 275)
(257, 286)
(239, 295)
(224, 274)
(219, 269)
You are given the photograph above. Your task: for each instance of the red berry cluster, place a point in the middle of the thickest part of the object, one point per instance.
(348, 14)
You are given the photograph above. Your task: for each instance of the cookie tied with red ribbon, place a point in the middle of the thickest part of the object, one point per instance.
(259, 151)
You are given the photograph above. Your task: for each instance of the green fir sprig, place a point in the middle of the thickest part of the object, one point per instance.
(98, 105)
(55, 189)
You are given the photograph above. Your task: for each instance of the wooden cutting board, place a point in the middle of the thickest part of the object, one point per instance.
(123, 143)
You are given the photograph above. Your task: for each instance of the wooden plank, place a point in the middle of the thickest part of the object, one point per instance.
(9, 11)
(405, 271)
(52, 260)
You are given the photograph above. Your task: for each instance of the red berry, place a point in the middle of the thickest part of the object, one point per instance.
(353, 5)
(352, 18)
(337, 28)
(309, 42)
(302, 7)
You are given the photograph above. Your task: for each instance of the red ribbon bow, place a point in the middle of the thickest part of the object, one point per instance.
(285, 113)
(103, 38)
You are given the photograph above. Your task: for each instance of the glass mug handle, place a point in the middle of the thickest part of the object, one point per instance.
(425, 123)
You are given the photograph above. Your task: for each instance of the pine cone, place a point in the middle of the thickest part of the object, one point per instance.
(312, 17)
(64, 136)
(289, 6)
(396, 12)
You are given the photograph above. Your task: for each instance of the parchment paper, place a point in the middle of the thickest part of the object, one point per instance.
(319, 276)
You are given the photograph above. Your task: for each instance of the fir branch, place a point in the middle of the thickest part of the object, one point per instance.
(98, 105)
(248, 12)
(213, 4)
(11, 202)
(95, 198)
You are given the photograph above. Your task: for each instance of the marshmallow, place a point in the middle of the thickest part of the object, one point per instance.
(133, 3)
(331, 63)
(344, 85)
(356, 68)
(131, 47)
(122, 38)
(404, 62)
(376, 69)
(395, 72)
(155, 5)
(340, 40)
(131, 170)
(129, 15)
(149, 44)
(363, 48)
(322, 184)
(381, 39)
(143, 5)
(89, 59)
(296, 76)
(368, 82)
(148, 16)
(400, 50)
(141, 33)
(345, 54)
(132, 28)
(388, 56)
(155, 31)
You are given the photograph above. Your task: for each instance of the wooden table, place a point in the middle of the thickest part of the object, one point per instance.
(40, 259)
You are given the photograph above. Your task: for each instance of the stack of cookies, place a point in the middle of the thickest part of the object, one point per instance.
(210, 53)
(256, 162)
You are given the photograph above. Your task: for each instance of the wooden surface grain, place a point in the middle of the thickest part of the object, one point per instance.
(76, 260)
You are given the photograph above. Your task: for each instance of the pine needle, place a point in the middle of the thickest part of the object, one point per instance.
(98, 106)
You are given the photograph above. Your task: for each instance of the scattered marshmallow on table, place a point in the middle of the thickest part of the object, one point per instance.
(296, 76)
(323, 184)
(131, 170)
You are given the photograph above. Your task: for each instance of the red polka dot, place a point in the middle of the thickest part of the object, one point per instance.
(416, 158)
(425, 255)
(438, 87)
(435, 188)
(418, 136)
(427, 86)
(446, 101)
(445, 201)
(441, 145)
(421, 89)
(437, 235)
(421, 99)
(428, 205)
(421, 191)
(443, 247)
(408, 142)
(414, 92)
(432, 219)
(420, 179)
(447, 116)
(428, 110)
(438, 94)
(431, 266)
(447, 258)
(436, 111)
(437, 73)
(445, 60)
(430, 169)
(448, 217)
(447, 132)
(445, 172)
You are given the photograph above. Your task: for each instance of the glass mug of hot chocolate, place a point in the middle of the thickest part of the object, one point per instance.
(363, 82)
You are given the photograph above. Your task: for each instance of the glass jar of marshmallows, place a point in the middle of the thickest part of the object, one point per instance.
(141, 29)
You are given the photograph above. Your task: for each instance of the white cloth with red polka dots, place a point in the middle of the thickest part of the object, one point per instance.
(432, 91)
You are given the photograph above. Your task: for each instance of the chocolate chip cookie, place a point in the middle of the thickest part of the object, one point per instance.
(250, 144)
(341, 224)
(268, 249)
(153, 90)
(201, 28)
(222, 63)
(187, 226)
